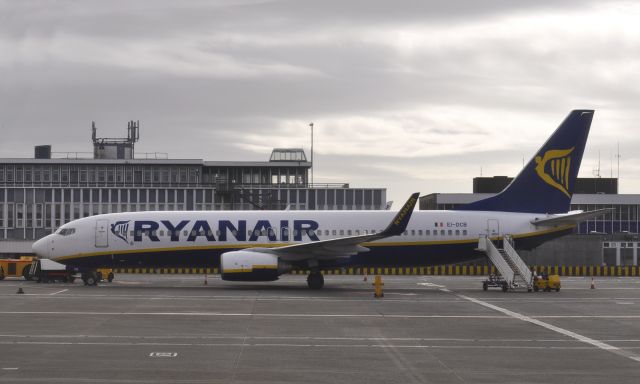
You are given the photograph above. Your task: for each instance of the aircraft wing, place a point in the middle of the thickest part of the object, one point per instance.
(570, 218)
(344, 246)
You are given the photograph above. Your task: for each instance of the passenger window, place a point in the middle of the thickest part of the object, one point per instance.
(185, 233)
(442, 232)
(450, 232)
(357, 232)
(419, 232)
(209, 233)
(349, 232)
(405, 233)
(427, 232)
(295, 232)
(464, 232)
(342, 232)
(193, 233)
(326, 232)
(334, 232)
(413, 232)
(457, 232)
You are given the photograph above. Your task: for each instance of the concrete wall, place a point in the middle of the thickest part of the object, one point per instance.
(567, 250)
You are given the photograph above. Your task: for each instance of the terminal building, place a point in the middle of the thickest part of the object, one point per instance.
(611, 239)
(39, 194)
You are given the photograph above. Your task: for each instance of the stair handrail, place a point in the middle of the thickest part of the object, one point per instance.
(485, 244)
(521, 266)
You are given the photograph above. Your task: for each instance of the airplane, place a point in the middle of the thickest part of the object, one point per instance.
(262, 245)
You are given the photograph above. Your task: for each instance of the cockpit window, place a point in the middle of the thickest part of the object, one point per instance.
(67, 231)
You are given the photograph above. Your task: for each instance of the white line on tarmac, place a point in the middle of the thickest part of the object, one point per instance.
(55, 293)
(325, 315)
(306, 345)
(566, 332)
(213, 314)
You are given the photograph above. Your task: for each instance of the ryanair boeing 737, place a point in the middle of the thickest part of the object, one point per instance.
(262, 245)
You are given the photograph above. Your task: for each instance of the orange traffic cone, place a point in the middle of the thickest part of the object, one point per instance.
(593, 284)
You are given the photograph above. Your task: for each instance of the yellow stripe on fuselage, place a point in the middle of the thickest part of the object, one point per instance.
(274, 245)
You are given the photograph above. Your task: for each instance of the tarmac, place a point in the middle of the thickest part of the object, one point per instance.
(426, 329)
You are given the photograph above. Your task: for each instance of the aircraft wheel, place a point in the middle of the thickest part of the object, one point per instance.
(315, 280)
(505, 287)
(484, 286)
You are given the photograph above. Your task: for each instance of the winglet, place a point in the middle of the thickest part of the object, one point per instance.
(399, 223)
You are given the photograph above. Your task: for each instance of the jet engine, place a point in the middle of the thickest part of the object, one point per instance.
(251, 266)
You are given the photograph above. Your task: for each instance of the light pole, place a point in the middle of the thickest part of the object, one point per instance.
(311, 125)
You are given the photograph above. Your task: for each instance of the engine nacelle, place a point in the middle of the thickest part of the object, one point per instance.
(251, 266)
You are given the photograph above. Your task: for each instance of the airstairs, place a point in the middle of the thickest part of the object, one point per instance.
(514, 271)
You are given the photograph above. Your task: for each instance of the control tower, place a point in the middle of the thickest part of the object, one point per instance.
(116, 148)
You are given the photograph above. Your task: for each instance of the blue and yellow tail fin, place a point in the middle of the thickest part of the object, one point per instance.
(545, 184)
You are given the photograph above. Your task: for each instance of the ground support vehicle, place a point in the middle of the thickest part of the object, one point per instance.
(495, 281)
(48, 271)
(546, 283)
(15, 267)
(105, 274)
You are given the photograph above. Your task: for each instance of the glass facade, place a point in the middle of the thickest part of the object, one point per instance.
(38, 196)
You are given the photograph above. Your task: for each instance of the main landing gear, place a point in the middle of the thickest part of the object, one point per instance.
(315, 280)
(90, 278)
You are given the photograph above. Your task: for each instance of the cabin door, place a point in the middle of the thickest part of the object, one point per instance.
(102, 234)
(493, 227)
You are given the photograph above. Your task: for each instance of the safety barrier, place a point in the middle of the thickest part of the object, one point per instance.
(462, 270)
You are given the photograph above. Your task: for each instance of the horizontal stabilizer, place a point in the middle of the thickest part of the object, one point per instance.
(570, 218)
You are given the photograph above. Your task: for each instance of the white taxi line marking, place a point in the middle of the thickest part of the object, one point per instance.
(566, 332)
(55, 293)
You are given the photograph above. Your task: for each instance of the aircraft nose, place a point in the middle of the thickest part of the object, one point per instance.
(41, 248)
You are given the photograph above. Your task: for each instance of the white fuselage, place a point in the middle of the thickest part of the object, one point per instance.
(122, 236)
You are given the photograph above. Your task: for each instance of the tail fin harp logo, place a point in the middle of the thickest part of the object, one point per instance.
(120, 229)
(557, 175)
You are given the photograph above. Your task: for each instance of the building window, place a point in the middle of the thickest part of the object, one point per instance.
(19, 215)
(29, 216)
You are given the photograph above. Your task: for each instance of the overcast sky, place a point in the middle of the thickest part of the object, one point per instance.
(408, 95)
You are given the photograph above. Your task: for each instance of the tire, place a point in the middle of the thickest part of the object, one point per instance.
(91, 280)
(72, 279)
(505, 287)
(315, 280)
(557, 289)
(484, 286)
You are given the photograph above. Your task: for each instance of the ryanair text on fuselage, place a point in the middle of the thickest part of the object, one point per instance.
(203, 228)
